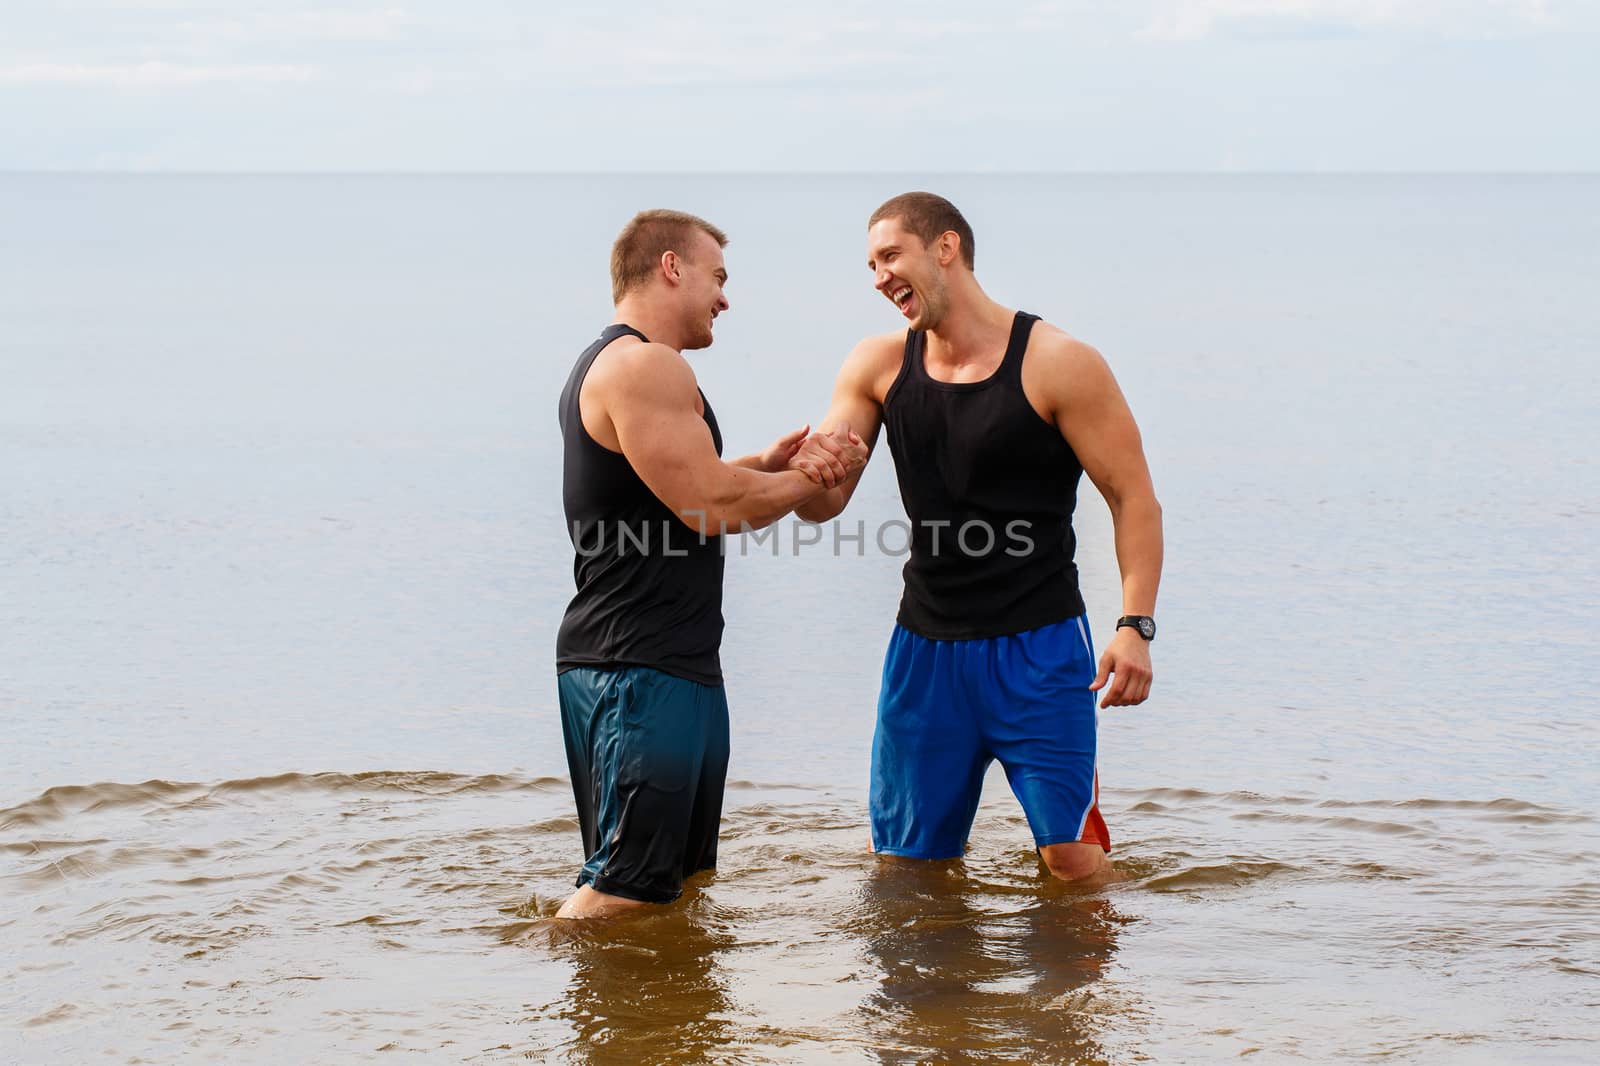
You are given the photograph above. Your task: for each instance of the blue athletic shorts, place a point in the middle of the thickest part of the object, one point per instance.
(950, 707)
(648, 754)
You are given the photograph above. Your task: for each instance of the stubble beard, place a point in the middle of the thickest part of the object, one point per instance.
(934, 303)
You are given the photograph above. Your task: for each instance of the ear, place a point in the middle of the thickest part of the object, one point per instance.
(671, 268)
(949, 247)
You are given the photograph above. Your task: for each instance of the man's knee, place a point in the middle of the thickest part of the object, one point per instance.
(1074, 862)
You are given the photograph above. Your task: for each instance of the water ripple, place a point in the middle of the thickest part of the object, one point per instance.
(183, 903)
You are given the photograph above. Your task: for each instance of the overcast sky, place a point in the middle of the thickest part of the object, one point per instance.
(716, 85)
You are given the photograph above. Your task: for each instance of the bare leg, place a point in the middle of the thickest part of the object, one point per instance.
(587, 903)
(1079, 864)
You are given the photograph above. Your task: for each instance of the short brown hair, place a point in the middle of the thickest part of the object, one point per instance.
(928, 216)
(646, 238)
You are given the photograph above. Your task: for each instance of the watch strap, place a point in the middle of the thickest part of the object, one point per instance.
(1143, 624)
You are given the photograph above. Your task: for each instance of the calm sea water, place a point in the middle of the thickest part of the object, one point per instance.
(281, 562)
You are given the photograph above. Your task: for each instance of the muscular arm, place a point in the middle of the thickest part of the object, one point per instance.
(1091, 413)
(650, 398)
(858, 403)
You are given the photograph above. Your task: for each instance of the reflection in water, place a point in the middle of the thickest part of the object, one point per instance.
(379, 912)
(646, 987)
(982, 972)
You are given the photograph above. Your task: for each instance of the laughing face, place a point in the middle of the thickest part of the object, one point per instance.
(907, 272)
(702, 299)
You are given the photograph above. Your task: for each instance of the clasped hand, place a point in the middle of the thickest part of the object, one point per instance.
(830, 458)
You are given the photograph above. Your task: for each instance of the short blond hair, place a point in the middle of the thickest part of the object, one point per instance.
(646, 238)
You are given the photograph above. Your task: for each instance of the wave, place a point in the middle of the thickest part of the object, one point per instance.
(62, 801)
(1502, 808)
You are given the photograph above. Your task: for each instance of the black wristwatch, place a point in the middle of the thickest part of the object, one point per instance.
(1142, 622)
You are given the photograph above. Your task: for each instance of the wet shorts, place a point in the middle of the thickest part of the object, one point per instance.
(950, 707)
(648, 754)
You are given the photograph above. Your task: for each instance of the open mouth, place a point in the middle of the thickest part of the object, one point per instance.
(902, 297)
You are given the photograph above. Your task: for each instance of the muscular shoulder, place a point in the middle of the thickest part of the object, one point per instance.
(633, 380)
(872, 364)
(630, 369)
(1059, 352)
(1061, 370)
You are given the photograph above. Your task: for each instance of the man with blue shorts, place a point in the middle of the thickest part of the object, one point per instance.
(647, 497)
(992, 416)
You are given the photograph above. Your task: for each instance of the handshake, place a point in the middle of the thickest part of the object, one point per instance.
(826, 458)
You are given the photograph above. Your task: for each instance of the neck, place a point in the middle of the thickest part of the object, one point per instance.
(651, 319)
(970, 326)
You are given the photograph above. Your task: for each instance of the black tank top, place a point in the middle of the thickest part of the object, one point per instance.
(990, 488)
(649, 587)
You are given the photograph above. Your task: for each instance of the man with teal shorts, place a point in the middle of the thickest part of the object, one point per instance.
(647, 498)
(993, 416)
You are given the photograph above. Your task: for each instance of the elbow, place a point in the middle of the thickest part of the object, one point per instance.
(1142, 506)
(822, 508)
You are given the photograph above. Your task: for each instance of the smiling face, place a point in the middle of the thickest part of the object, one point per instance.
(908, 273)
(701, 277)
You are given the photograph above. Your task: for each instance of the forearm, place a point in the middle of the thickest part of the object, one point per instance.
(1137, 525)
(823, 506)
(749, 499)
(751, 462)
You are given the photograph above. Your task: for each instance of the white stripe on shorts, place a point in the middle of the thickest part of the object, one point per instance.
(1094, 784)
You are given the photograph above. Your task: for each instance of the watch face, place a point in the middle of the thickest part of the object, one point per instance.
(1147, 628)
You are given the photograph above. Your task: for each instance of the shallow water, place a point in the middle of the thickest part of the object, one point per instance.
(306, 916)
(279, 539)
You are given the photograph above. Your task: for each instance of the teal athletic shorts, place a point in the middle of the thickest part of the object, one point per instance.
(648, 753)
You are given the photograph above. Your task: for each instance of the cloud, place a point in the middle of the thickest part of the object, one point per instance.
(716, 84)
(658, 50)
(1189, 20)
(385, 24)
(156, 75)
